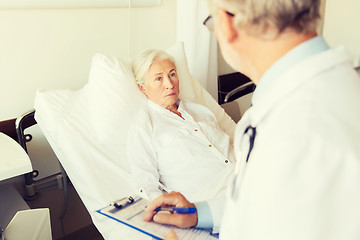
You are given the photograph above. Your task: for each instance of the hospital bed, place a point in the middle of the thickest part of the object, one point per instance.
(87, 129)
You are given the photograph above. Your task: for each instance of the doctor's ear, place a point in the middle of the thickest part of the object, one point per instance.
(226, 25)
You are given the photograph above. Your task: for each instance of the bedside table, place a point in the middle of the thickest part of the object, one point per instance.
(16, 218)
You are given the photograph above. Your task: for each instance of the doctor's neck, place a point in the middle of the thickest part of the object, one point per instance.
(263, 53)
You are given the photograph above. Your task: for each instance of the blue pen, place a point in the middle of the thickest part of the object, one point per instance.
(177, 210)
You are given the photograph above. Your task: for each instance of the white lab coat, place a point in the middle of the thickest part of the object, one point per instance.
(302, 180)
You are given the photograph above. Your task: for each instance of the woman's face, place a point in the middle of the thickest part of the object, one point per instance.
(162, 83)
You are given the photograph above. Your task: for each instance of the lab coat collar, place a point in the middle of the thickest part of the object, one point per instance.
(299, 74)
(297, 54)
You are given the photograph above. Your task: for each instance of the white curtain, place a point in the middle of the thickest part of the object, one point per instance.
(200, 44)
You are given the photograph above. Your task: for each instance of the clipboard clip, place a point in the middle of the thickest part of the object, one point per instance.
(124, 202)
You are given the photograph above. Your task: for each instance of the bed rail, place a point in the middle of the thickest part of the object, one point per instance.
(22, 138)
(238, 89)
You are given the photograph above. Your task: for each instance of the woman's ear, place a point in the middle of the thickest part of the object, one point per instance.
(226, 25)
(142, 88)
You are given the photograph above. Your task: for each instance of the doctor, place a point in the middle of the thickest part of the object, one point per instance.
(298, 146)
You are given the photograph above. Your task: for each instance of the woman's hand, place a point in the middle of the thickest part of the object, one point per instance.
(174, 199)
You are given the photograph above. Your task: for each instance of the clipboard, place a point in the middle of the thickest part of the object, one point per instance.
(130, 211)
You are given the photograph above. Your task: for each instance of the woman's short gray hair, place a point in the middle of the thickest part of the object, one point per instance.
(141, 64)
(268, 18)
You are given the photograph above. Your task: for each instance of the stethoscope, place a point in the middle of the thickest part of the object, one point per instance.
(246, 141)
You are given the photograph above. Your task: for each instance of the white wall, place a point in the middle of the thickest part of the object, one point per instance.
(342, 26)
(52, 49)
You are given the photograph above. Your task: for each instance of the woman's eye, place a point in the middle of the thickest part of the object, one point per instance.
(158, 79)
(172, 75)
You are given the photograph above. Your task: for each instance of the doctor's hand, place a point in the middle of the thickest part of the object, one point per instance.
(174, 199)
(171, 236)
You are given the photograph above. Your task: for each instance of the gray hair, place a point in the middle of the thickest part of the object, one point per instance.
(269, 18)
(141, 64)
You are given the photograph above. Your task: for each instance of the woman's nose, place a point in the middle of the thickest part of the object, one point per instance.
(168, 83)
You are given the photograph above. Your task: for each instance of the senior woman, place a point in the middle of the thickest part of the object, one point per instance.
(173, 144)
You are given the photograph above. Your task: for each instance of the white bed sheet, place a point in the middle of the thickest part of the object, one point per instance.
(93, 170)
(99, 171)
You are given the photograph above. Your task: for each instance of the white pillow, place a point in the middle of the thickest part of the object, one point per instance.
(114, 97)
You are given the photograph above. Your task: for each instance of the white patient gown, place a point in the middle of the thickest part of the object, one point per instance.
(193, 155)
